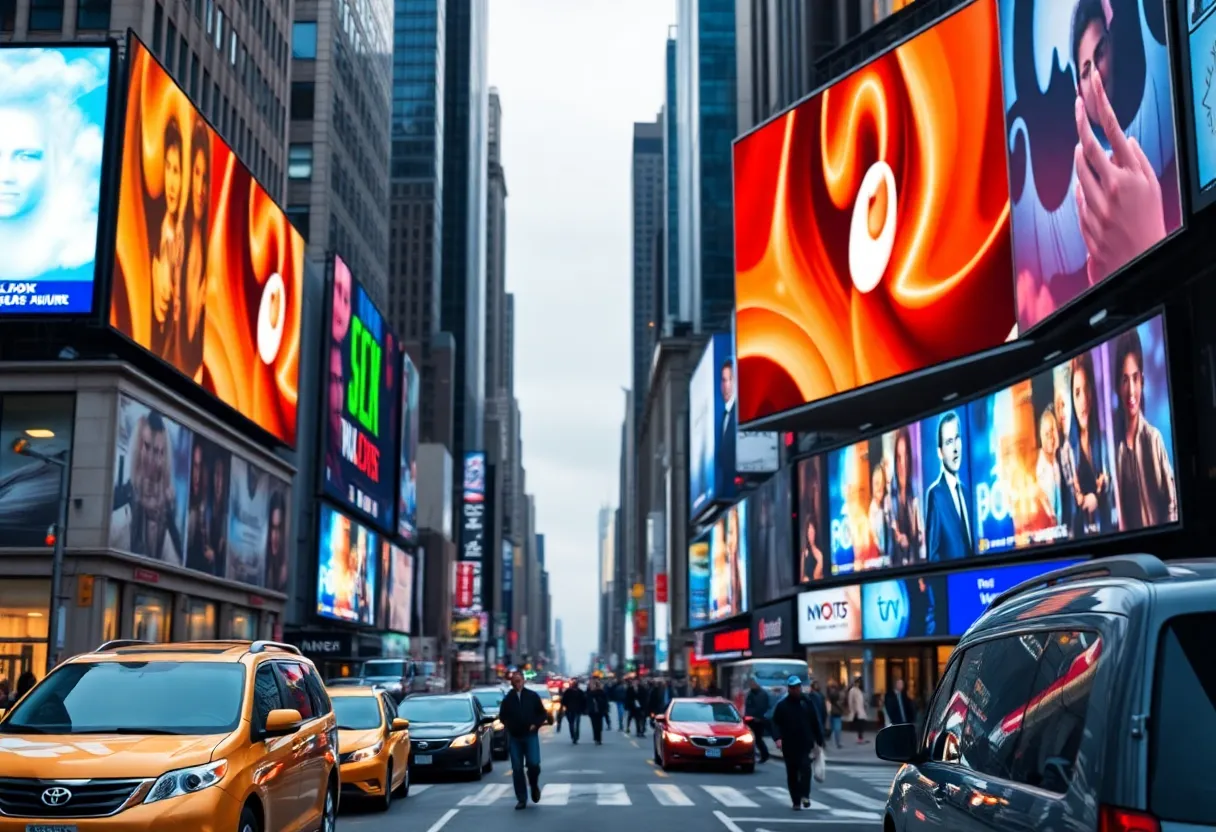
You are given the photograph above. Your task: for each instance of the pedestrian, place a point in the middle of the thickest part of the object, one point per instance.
(857, 709)
(641, 705)
(797, 725)
(597, 710)
(836, 709)
(757, 706)
(573, 703)
(522, 714)
(631, 704)
(25, 683)
(617, 695)
(657, 701)
(898, 706)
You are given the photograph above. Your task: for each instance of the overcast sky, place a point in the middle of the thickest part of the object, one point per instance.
(573, 75)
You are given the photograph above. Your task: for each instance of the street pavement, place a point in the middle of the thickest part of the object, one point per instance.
(617, 788)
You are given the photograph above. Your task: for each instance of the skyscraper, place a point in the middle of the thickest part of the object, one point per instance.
(671, 193)
(648, 182)
(338, 151)
(496, 256)
(607, 579)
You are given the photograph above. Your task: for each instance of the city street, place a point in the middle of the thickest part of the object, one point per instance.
(616, 788)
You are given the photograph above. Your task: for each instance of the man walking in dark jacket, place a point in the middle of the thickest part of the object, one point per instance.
(522, 714)
(798, 729)
(757, 706)
(574, 702)
(597, 710)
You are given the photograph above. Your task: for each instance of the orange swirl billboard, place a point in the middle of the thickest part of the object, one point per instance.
(872, 223)
(208, 272)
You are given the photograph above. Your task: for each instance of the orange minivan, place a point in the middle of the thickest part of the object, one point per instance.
(204, 735)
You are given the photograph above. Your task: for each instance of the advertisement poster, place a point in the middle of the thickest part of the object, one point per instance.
(396, 588)
(826, 616)
(466, 628)
(251, 497)
(698, 583)
(346, 569)
(813, 522)
(1110, 59)
(854, 539)
(407, 489)
(972, 591)
(208, 271)
(473, 513)
(662, 626)
(770, 547)
(53, 124)
(1200, 27)
(29, 487)
(872, 223)
(949, 522)
(905, 608)
(773, 630)
(713, 421)
(729, 590)
(361, 402)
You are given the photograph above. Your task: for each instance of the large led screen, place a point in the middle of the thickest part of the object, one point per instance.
(971, 592)
(905, 608)
(813, 522)
(770, 546)
(713, 419)
(361, 402)
(346, 569)
(1199, 45)
(949, 525)
(1093, 167)
(407, 489)
(872, 223)
(729, 590)
(698, 582)
(396, 576)
(54, 106)
(182, 499)
(829, 615)
(208, 272)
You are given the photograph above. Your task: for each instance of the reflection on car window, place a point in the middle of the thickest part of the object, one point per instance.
(316, 691)
(489, 698)
(297, 689)
(357, 713)
(266, 694)
(704, 712)
(1182, 723)
(936, 719)
(159, 697)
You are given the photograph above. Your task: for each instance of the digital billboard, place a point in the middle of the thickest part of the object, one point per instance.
(770, 547)
(712, 423)
(813, 522)
(208, 272)
(54, 123)
(346, 568)
(972, 591)
(905, 608)
(729, 590)
(698, 582)
(361, 402)
(872, 223)
(182, 499)
(829, 615)
(949, 525)
(1199, 99)
(473, 507)
(1093, 167)
(407, 490)
(395, 607)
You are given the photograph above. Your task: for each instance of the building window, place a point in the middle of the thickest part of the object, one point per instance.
(46, 15)
(24, 606)
(170, 46)
(150, 616)
(206, 93)
(303, 95)
(299, 217)
(8, 15)
(299, 161)
(112, 614)
(304, 41)
(210, 16)
(182, 53)
(194, 79)
(93, 15)
(201, 620)
(198, 10)
(45, 419)
(219, 28)
(232, 47)
(240, 624)
(158, 27)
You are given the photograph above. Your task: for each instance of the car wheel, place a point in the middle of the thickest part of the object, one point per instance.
(329, 817)
(249, 820)
(386, 800)
(404, 789)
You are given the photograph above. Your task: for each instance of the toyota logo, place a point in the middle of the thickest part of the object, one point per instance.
(56, 796)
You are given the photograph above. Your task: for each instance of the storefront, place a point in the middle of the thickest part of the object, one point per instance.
(338, 654)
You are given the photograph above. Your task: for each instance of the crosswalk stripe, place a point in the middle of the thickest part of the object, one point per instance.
(487, 796)
(555, 794)
(669, 795)
(782, 795)
(859, 800)
(612, 794)
(729, 796)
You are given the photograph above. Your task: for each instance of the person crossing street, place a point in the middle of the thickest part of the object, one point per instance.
(523, 714)
(797, 726)
(574, 702)
(597, 710)
(757, 706)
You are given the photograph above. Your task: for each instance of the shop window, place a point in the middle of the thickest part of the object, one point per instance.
(113, 611)
(45, 420)
(201, 620)
(150, 616)
(241, 625)
(23, 628)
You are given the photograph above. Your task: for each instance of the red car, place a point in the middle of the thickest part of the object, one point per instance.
(706, 730)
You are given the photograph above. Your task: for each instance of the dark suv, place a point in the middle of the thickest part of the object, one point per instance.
(1084, 699)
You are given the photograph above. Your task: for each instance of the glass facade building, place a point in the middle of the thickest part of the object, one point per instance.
(671, 196)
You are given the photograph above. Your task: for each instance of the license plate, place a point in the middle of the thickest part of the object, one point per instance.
(37, 827)
(713, 752)
(420, 760)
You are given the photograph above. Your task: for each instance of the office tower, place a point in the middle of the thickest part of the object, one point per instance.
(465, 166)
(230, 57)
(496, 255)
(508, 342)
(706, 128)
(416, 172)
(338, 149)
(670, 301)
(607, 576)
(647, 229)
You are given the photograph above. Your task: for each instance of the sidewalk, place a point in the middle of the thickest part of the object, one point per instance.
(852, 754)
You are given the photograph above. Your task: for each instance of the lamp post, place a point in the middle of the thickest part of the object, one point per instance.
(22, 446)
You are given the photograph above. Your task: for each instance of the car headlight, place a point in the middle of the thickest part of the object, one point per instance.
(187, 781)
(465, 741)
(670, 737)
(745, 739)
(367, 753)
(498, 726)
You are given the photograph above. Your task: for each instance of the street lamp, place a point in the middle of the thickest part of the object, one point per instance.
(22, 446)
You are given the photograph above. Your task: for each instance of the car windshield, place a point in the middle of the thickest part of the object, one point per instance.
(777, 675)
(541, 691)
(344, 683)
(356, 713)
(704, 712)
(133, 697)
(489, 699)
(436, 709)
(384, 668)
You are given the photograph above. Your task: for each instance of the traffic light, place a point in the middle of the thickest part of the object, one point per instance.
(51, 534)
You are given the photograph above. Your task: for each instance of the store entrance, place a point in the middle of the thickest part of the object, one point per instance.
(15, 659)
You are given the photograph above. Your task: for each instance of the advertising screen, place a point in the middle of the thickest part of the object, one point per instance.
(829, 615)
(1199, 45)
(473, 507)
(662, 625)
(698, 582)
(905, 608)
(770, 527)
(872, 223)
(773, 630)
(361, 402)
(466, 628)
(947, 477)
(972, 591)
(712, 426)
(728, 591)
(183, 499)
(396, 588)
(208, 272)
(54, 106)
(407, 489)
(346, 569)
(813, 521)
(1093, 166)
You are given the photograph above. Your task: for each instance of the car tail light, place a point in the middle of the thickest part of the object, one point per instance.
(1114, 819)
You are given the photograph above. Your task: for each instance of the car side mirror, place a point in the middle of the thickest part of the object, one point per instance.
(898, 744)
(487, 720)
(282, 721)
(400, 724)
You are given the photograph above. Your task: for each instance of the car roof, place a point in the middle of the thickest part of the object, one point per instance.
(353, 691)
(707, 700)
(452, 695)
(221, 650)
(489, 689)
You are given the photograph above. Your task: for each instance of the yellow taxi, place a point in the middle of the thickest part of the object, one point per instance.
(373, 745)
(193, 737)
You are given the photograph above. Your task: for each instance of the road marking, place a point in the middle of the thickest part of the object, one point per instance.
(729, 796)
(612, 794)
(579, 771)
(782, 795)
(727, 822)
(670, 795)
(486, 796)
(834, 821)
(420, 788)
(442, 822)
(634, 743)
(555, 794)
(661, 773)
(850, 796)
